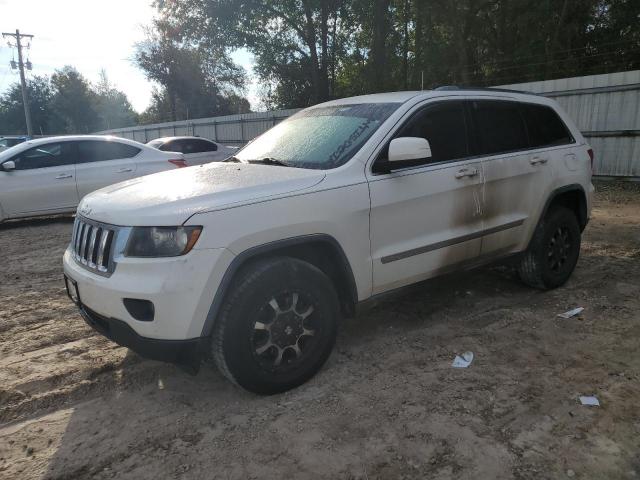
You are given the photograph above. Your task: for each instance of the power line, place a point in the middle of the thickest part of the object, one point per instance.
(23, 81)
(545, 55)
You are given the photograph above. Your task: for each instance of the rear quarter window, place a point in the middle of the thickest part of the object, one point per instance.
(544, 126)
(174, 146)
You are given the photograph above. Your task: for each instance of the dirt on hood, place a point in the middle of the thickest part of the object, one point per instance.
(171, 197)
(387, 404)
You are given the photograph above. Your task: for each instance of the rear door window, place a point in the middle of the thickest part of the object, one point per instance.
(43, 156)
(544, 126)
(99, 151)
(498, 127)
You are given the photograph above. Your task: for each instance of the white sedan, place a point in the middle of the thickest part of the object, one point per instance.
(51, 175)
(196, 150)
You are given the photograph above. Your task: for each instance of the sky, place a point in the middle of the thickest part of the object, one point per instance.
(89, 35)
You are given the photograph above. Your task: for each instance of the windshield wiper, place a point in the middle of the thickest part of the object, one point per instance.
(271, 161)
(264, 161)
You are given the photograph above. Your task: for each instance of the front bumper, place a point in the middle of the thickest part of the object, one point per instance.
(180, 288)
(186, 353)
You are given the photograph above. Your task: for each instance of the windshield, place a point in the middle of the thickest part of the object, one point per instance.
(319, 138)
(155, 143)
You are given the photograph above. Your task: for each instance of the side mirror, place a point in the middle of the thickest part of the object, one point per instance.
(409, 148)
(9, 165)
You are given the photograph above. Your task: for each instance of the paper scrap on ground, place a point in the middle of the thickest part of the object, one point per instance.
(463, 361)
(592, 401)
(571, 313)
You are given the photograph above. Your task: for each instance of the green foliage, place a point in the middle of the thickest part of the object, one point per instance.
(12, 120)
(66, 103)
(193, 81)
(73, 101)
(112, 106)
(308, 51)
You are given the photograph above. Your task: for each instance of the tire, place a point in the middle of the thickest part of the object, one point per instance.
(553, 252)
(277, 326)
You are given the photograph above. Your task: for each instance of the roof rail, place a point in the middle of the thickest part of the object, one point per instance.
(482, 89)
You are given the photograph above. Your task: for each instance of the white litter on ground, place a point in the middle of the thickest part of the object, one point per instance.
(463, 361)
(571, 313)
(591, 401)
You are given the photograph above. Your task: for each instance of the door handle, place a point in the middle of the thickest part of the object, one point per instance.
(538, 161)
(62, 176)
(466, 172)
(125, 170)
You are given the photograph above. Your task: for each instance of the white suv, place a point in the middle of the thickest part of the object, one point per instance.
(252, 262)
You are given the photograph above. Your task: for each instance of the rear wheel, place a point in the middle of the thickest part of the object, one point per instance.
(553, 253)
(277, 327)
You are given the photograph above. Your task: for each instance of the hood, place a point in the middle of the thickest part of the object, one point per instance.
(171, 197)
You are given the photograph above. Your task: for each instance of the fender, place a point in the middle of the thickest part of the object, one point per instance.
(260, 250)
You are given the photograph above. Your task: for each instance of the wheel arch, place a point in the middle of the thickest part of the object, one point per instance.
(571, 196)
(321, 250)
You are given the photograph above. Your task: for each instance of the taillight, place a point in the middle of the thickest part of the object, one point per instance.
(178, 162)
(590, 152)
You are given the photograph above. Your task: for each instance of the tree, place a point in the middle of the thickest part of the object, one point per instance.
(74, 101)
(308, 51)
(192, 83)
(111, 105)
(45, 120)
(291, 40)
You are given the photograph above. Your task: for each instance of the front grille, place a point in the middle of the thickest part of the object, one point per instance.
(91, 245)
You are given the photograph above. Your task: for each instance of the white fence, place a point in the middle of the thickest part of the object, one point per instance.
(605, 107)
(231, 129)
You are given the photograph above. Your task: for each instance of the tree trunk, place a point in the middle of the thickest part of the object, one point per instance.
(172, 104)
(324, 50)
(553, 42)
(405, 53)
(334, 52)
(379, 70)
(418, 46)
(311, 40)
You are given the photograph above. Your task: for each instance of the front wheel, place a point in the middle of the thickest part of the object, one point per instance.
(553, 253)
(277, 326)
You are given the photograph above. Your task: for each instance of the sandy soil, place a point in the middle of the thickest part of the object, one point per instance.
(387, 405)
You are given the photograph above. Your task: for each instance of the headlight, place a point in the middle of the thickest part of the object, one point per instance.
(161, 241)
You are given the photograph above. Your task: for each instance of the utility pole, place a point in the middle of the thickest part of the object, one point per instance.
(23, 81)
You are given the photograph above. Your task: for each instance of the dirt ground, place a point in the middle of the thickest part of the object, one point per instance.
(387, 404)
